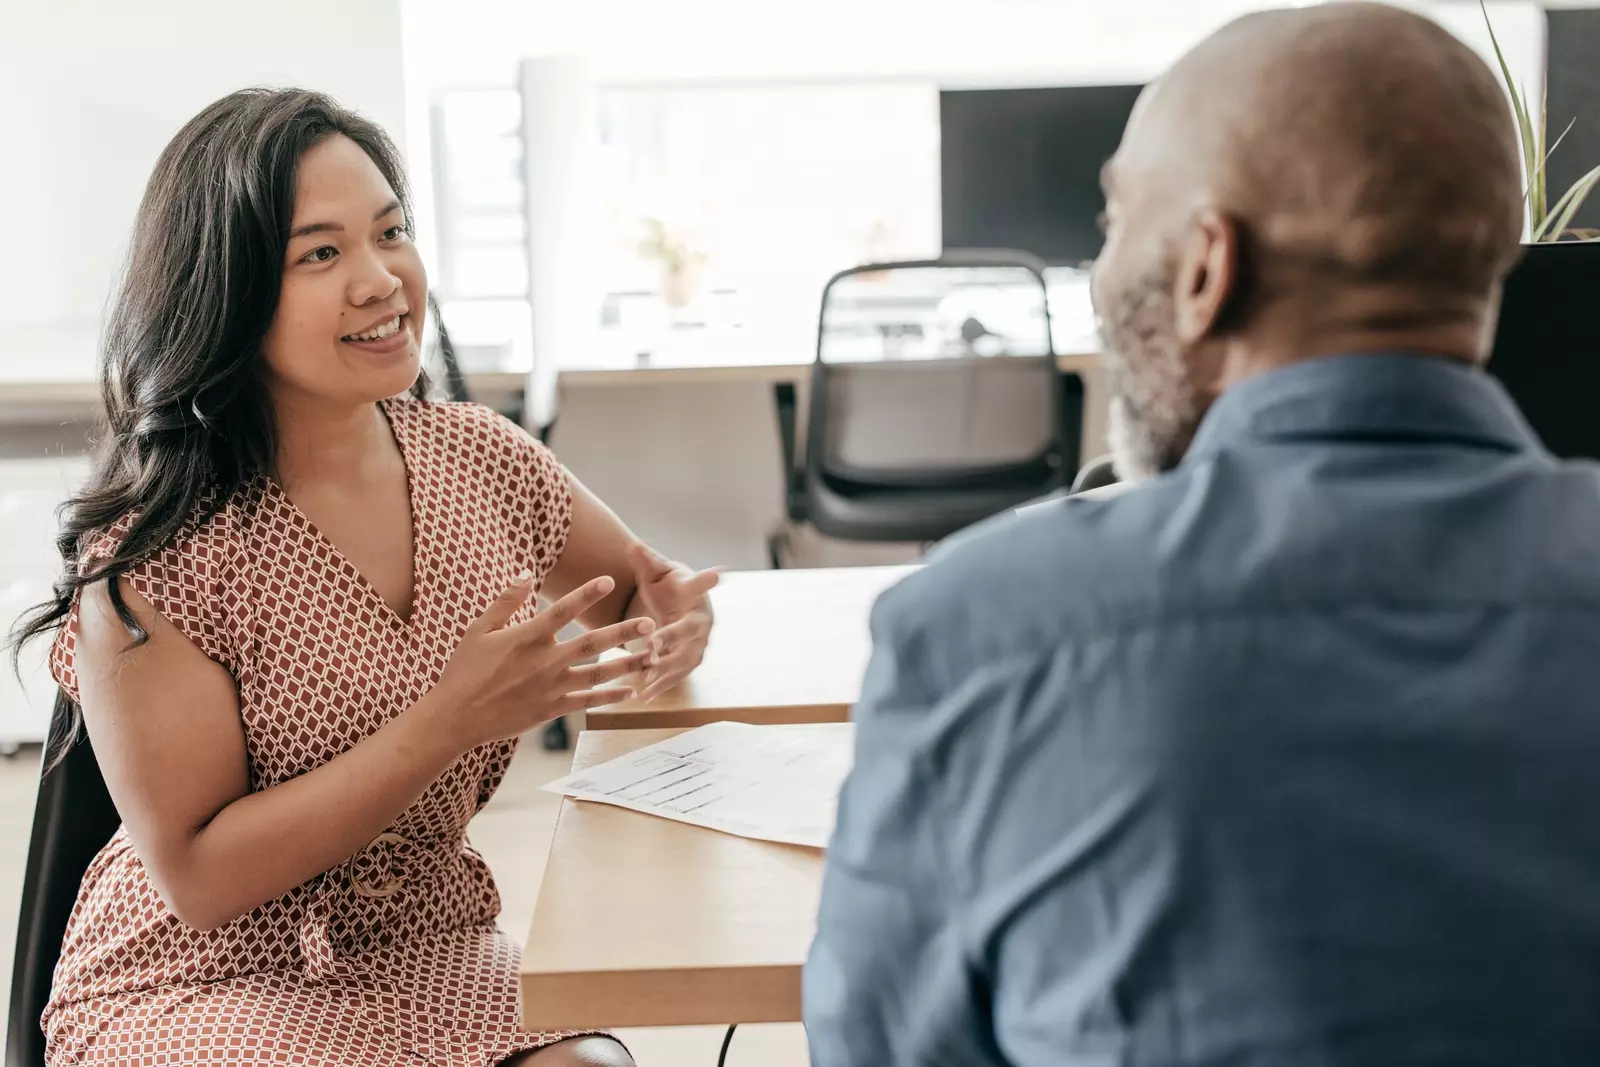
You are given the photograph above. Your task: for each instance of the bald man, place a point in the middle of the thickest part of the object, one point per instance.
(1290, 756)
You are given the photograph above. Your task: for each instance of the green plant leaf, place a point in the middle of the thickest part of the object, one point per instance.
(1540, 177)
(1532, 149)
(1555, 224)
(1544, 152)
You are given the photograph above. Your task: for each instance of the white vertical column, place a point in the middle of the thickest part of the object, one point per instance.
(559, 130)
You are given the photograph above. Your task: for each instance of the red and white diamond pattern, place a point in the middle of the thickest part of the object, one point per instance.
(342, 970)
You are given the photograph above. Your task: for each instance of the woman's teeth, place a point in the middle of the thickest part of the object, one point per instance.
(377, 334)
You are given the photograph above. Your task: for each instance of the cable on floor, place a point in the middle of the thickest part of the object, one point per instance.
(722, 1057)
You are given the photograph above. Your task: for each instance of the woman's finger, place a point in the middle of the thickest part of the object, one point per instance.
(669, 672)
(587, 646)
(674, 636)
(591, 675)
(698, 585)
(550, 622)
(505, 605)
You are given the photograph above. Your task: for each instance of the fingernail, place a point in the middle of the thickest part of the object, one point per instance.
(605, 585)
(523, 577)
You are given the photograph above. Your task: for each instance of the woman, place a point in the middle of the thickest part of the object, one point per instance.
(328, 582)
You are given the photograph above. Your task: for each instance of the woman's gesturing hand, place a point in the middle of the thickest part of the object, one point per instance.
(676, 598)
(506, 679)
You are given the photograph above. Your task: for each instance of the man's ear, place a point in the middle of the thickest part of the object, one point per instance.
(1207, 278)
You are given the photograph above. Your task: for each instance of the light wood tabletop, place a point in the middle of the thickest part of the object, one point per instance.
(788, 646)
(642, 921)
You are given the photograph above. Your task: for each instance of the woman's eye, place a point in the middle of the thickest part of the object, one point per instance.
(394, 233)
(319, 255)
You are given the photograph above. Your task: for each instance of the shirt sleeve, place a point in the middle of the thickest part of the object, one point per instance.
(183, 581)
(888, 980)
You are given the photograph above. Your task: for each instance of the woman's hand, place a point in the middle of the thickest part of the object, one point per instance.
(504, 680)
(675, 598)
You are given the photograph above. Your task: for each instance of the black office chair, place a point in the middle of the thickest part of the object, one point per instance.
(935, 401)
(1095, 474)
(73, 819)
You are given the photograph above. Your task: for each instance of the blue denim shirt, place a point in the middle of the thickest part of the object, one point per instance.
(1288, 757)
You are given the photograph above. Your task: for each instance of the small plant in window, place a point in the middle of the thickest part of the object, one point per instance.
(679, 261)
(1546, 222)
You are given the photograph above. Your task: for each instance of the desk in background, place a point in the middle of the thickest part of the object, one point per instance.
(788, 646)
(642, 921)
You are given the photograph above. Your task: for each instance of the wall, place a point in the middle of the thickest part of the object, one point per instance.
(1574, 96)
(90, 92)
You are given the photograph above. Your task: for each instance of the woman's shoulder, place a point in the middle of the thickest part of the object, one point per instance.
(200, 545)
(183, 575)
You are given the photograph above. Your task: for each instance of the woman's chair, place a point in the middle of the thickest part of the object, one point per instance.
(73, 819)
(935, 401)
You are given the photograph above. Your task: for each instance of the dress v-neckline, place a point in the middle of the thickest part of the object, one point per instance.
(342, 562)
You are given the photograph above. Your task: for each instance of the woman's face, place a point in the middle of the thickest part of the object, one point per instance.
(348, 329)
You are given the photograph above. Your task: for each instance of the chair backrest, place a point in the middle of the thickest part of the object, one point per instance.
(1096, 474)
(935, 375)
(72, 821)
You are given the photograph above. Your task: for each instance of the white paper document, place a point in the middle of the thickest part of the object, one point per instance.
(772, 783)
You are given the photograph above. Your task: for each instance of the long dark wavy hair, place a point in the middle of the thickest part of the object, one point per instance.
(188, 420)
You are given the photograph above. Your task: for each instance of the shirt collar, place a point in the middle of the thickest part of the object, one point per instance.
(1374, 395)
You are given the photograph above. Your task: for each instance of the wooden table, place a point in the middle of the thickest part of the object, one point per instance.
(788, 646)
(646, 922)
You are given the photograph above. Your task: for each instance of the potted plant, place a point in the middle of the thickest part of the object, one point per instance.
(678, 260)
(1547, 223)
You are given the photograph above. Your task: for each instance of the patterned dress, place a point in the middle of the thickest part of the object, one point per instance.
(393, 957)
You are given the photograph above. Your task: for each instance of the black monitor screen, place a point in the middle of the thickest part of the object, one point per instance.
(1021, 167)
(1547, 347)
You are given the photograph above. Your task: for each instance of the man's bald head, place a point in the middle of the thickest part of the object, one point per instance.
(1303, 182)
(1355, 137)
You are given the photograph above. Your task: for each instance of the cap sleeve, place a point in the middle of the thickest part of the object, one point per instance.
(182, 581)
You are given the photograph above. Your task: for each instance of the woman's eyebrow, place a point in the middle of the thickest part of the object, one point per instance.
(327, 227)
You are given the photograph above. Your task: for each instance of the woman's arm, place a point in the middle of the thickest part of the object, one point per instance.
(598, 544)
(164, 720)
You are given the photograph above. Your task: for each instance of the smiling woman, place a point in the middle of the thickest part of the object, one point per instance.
(328, 580)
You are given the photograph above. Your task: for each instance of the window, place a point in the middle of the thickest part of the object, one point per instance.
(728, 208)
(482, 274)
(723, 210)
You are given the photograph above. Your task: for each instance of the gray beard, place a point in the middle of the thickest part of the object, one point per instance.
(1154, 412)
